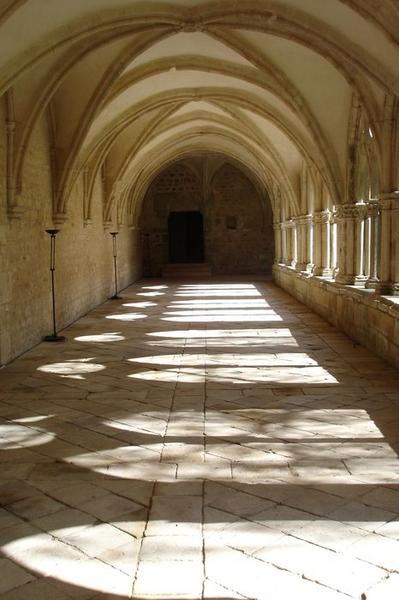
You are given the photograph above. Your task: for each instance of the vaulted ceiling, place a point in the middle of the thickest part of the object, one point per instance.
(130, 86)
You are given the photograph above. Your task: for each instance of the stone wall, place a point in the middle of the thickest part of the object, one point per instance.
(238, 230)
(239, 238)
(84, 268)
(364, 316)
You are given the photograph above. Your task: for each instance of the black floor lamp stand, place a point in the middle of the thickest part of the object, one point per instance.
(114, 251)
(53, 337)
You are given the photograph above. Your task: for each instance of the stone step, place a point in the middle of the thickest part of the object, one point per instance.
(186, 270)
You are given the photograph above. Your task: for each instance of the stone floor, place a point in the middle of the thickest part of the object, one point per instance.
(190, 440)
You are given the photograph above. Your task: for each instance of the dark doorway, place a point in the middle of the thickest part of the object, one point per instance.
(186, 237)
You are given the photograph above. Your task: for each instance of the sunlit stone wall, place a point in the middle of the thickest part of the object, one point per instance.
(84, 267)
(367, 318)
(238, 229)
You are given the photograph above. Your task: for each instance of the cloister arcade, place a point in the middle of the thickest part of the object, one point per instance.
(233, 435)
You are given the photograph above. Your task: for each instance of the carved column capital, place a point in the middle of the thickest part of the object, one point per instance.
(288, 224)
(351, 212)
(303, 219)
(322, 216)
(389, 201)
(373, 207)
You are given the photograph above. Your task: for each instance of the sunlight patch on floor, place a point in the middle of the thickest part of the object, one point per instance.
(127, 316)
(292, 359)
(225, 333)
(215, 304)
(242, 375)
(72, 367)
(101, 337)
(223, 317)
(214, 292)
(14, 436)
(139, 304)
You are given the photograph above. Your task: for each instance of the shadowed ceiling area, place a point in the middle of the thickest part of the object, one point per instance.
(130, 87)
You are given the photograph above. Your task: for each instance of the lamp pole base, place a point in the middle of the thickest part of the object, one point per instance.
(54, 338)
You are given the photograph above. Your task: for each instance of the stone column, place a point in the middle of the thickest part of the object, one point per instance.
(373, 222)
(350, 219)
(333, 245)
(291, 243)
(288, 242)
(294, 234)
(389, 245)
(359, 247)
(322, 239)
(299, 244)
(278, 256)
(367, 246)
(284, 245)
(304, 226)
(309, 243)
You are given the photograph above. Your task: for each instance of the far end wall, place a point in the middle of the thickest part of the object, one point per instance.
(238, 223)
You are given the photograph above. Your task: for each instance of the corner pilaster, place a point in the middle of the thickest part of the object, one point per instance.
(389, 245)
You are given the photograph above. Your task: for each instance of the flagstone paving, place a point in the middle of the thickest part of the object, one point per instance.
(199, 440)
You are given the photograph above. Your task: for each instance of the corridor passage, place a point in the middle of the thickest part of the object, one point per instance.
(199, 440)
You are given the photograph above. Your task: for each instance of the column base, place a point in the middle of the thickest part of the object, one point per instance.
(358, 280)
(322, 272)
(309, 267)
(372, 283)
(301, 267)
(387, 288)
(290, 263)
(344, 279)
